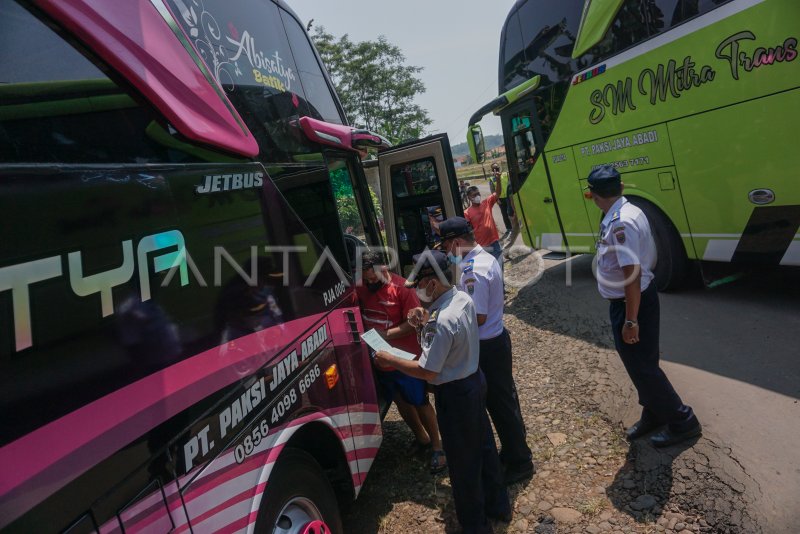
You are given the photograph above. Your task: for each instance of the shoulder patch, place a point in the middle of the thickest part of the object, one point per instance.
(619, 233)
(469, 285)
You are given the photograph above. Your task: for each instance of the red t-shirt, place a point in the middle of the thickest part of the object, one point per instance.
(388, 307)
(482, 221)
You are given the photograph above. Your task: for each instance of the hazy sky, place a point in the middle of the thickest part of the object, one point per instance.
(455, 41)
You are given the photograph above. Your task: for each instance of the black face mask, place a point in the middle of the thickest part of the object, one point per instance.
(373, 287)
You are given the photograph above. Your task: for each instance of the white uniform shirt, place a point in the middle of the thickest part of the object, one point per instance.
(625, 239)
(449, 338)
(482, 279)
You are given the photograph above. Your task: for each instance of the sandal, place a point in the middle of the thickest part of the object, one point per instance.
(438, 462)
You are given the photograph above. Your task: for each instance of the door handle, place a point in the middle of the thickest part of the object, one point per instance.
(548, 200)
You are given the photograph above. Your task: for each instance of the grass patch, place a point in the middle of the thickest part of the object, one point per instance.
(592, 507)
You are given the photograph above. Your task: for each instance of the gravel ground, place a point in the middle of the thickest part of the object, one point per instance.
(574, 393)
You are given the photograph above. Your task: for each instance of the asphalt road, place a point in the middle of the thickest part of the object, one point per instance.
(732, 353)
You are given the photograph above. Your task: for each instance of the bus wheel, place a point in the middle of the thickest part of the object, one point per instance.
(672, 264)
(299, 498)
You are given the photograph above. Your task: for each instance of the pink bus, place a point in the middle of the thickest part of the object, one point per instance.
(182, 206)
(178, 352)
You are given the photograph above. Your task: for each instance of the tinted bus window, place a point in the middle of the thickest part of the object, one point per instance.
(628, 29)
(548, 33)
(244, 44)
(57, 106)
(320, 101)
(664, 14)
(513, 55)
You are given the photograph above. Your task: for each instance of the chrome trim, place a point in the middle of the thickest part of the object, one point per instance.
(761, 197)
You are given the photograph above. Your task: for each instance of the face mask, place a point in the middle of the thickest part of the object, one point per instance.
(476, 199)
(373, 287)
(423, 296)
(455, 260)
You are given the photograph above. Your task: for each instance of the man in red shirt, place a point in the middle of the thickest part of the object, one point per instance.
(479, 215)
(385, 302)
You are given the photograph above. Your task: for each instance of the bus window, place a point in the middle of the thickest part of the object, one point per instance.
(244, 44)
(62, 108)
(664, 14)
(413, 179)
(318, 94)
(513, 55)
(628, 29)
(356, 215)
(523, 144)
(548, 43)
(309, 191)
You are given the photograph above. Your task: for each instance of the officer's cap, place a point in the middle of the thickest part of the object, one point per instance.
(424, 265)
(435, 212)
(604, 178)
(454, 227)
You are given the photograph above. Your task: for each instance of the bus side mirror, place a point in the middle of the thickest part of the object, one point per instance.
(477, 148)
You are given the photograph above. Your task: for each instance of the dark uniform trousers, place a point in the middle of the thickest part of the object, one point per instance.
(502, 401)
(661, 404)
(475, 474)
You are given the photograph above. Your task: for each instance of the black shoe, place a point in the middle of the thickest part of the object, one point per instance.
(640, 428)
(516, 474)
(668, 437)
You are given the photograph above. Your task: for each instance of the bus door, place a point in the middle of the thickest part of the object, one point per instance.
(528, 174)
(419, 190)
(354, 203)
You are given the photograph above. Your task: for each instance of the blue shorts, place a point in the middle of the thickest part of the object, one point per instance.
(412, 390)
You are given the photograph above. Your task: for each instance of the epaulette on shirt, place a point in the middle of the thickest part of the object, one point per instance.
(615, 216)
(468, 266)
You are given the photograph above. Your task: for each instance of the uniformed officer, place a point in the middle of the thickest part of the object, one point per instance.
(626, 255)
(482, 279)
(449, 361)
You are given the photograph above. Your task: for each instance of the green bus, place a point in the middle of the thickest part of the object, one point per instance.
(696, 102)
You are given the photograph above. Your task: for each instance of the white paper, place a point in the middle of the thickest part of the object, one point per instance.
(376, 343)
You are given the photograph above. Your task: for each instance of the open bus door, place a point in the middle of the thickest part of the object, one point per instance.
(419, 189)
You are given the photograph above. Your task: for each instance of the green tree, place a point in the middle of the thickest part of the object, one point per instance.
(376, 87)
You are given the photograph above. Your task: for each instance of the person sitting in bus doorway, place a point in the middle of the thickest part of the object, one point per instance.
(449, 362)
(479, 214)
(626, 256)
(385, 302)
(500, 181)
(481, 278)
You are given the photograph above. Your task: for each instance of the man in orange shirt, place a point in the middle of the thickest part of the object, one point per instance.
(385, 302)
(479, 215)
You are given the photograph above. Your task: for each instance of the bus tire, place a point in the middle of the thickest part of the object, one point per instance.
(298, 493)
(672, 265)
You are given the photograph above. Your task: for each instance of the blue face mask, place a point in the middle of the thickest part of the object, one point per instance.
(455, 260)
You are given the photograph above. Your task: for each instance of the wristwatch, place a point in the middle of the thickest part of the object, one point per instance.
(630, 324)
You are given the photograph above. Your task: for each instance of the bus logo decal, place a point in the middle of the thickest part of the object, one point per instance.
(230, 182)
(673, 79)
(18, 278)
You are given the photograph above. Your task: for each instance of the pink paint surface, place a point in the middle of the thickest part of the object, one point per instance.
(134, 39)
(48, 458)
